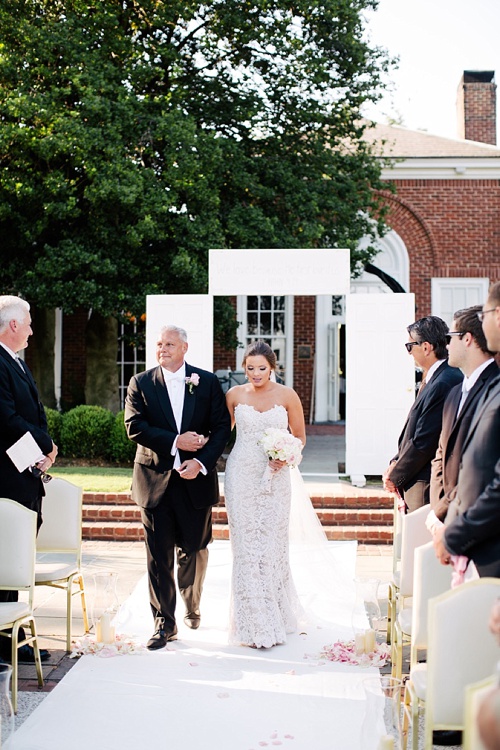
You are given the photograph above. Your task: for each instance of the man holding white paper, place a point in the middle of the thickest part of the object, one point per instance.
(21, 412)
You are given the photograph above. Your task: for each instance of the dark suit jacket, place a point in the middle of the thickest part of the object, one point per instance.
(150, 422)
(419, 439)
(20, 411)
(445, 466)
(473, 518)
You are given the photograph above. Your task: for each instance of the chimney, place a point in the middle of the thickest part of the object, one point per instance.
(476, 106)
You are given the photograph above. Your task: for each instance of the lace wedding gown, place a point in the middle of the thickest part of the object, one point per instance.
(264, 603)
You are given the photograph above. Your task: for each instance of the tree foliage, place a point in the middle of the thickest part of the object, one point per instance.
(136, 135)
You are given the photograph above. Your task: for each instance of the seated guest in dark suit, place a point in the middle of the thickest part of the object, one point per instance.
(467, 349)
(410, 470)
(473, 518)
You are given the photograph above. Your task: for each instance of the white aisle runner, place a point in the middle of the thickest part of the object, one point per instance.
(202, 693)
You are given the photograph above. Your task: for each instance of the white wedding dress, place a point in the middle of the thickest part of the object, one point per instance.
(264, 603)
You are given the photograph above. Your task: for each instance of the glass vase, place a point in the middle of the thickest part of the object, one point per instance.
(104, 606)
(381, 727)
(6, 710)
(366, 615)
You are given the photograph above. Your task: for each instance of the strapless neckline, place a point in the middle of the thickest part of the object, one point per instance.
(266, 411)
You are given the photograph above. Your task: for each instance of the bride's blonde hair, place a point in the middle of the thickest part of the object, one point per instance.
(260, 348)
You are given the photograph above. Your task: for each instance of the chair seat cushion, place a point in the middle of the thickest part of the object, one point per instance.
(404, 620)
(418, 676)
(12, 611)
(53, 571)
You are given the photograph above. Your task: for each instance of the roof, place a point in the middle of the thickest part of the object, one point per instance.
(401, 143)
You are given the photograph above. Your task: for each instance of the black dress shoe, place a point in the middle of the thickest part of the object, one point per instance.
(447, 737)
(192, 620)
(27, 654)
(159, 639)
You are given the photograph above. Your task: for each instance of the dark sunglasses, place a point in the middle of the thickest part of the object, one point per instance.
(39, 474)
(454, 333)
(410, 344)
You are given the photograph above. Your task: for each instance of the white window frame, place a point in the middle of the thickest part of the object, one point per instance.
(241, 312)
(439, 285)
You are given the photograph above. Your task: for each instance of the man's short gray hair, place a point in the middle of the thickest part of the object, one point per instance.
(12, 308)
(181, 332)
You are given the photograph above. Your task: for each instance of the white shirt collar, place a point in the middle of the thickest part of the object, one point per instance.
(179, 374)
(432, 369)
(467, 383)
(12, 354)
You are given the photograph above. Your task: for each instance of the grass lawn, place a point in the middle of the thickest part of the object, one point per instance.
(96, 478)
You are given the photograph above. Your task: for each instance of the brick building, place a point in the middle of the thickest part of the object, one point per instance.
(443, 245)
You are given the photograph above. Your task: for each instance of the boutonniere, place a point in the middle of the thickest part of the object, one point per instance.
(192, 381)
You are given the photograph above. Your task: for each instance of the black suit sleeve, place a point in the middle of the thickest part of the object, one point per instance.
(141, 406)
(479, 523)
(420, 448)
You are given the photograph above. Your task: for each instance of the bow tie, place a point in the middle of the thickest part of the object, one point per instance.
(172, 377)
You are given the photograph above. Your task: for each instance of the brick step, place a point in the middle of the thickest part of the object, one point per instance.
(352, 499)
(328, 517)
(132, 531)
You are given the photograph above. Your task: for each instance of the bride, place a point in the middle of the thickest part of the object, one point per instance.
(264, 603)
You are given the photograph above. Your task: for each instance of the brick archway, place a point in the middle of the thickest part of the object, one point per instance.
(420, 244)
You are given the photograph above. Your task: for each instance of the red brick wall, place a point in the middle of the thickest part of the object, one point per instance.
(224, 359)
(450, 228)
(304, 325)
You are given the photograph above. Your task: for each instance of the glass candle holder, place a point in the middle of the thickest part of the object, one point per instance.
(104, 606)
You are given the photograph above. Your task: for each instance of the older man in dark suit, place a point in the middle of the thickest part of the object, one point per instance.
(177, 415)
(467, 349)
(20, 411)
(410, 470)
(473, 518)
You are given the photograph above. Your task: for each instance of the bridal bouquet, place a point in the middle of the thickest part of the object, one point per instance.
(282, 446)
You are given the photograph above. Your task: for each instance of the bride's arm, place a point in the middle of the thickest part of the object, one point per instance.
(231, 403)
(296, 420)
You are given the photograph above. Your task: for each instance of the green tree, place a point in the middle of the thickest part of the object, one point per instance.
(137, 135)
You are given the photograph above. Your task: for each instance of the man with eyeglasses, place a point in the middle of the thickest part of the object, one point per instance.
(20, 411)
(472, 524)
(468, 350)
(410, 470)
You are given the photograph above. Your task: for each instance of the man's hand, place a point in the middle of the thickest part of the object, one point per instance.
(189, 469)
(388, 483)
(191, 442)
(48, 459)
(442, 553)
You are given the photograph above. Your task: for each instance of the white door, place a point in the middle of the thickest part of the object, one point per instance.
(381, 379)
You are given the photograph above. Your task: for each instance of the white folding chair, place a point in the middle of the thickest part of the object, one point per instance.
(414, 533)
(17, 573)
(461, 650)
(474, 694)
(61, 532)
(430, 579)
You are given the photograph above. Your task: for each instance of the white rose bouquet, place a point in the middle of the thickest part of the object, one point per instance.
(282, 446)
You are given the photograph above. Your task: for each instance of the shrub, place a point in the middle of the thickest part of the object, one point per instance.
(86, 432)
(54, 425)
(121, 449)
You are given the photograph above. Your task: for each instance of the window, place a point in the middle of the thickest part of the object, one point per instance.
(452, 294)
(268, 318)
(131, 353)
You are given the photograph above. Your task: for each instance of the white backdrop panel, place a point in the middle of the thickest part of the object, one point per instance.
(278, 272)
(194, 312)
(380, 378)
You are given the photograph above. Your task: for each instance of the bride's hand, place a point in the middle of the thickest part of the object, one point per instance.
(275, 464)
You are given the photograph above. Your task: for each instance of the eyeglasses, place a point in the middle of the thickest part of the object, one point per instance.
(410, 344)
(39, 474)
(454, 333)
(482, 313)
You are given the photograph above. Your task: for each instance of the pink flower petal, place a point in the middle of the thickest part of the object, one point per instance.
(222, 695)
(289, 737)
(290, 671)
(193, 664)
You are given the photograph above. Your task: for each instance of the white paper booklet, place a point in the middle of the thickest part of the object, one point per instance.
(25, 452)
